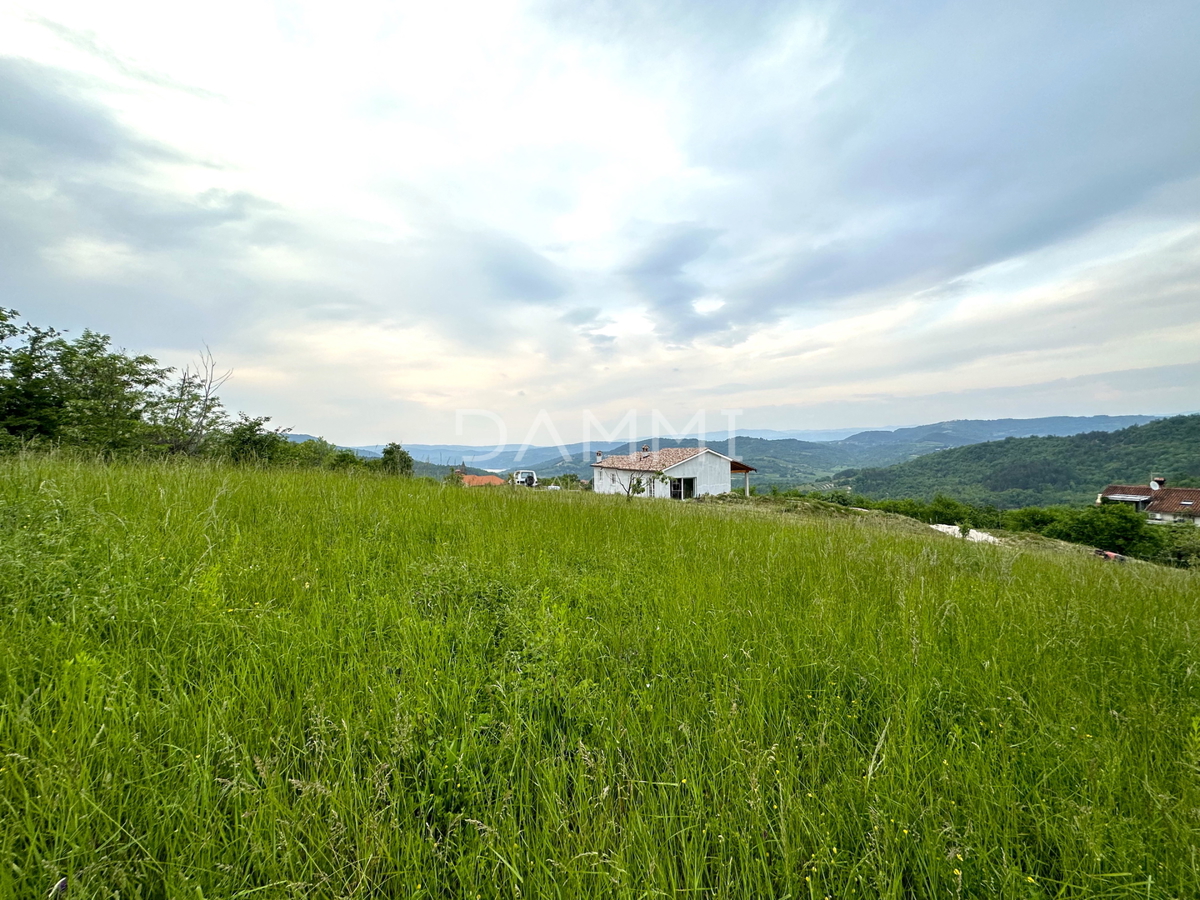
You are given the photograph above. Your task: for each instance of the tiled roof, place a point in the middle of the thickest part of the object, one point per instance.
(1164, 500)
(482, 480)
(1176, 500)
(651, 461)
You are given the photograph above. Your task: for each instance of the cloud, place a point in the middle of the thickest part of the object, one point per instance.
(95, 231)
(657, 275)
(44, 122)
(911, 145)
(89, 236)
(88, 43)
(613, 203)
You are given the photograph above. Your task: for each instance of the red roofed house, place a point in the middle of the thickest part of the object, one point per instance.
(677, 473)
(1161, 504)
(482, 480)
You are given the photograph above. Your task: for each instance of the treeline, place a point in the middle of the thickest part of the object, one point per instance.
(1043, 471)
(1109, 526)
(82, 393)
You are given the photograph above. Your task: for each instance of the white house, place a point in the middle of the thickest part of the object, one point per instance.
(677, 473)
(1161, 504)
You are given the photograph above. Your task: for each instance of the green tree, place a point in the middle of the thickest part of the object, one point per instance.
(187, 414)
(82, 392)
(342, 460)
(79, 391)
(397, 461)
(1180, 545)
(315, 453)
(107, 394)
(1110, 526)
(249, 440)
(1034, 518)
(31, 391)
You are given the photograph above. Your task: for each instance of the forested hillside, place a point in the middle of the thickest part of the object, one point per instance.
(1037, 471)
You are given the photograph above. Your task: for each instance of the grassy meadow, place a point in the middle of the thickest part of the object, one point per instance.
(228, 683)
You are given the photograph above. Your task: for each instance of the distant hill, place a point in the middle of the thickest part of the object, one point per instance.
(1040, 471)
(791, 462)
(920, 438)
(960, 432)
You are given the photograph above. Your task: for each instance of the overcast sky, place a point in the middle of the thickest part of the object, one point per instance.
(825, 215)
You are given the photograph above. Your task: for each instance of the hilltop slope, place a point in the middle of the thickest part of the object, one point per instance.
(225, 682)
(1038, 471)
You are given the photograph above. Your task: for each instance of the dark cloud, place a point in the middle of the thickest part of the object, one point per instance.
(832, 157)
(69, 171)
(658, 275)
(179, 268)
(959, 139)
(72, 176)
(45, 122)
(905, 145)
(158, 220)
(583, 315)
(518, 273)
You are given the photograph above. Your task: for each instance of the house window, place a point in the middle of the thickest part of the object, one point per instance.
(683, 488)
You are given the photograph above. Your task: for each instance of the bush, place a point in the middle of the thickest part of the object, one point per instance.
(249, 440)
(1034, 518)
(1179, 545)
(397, 461)
(1110, 526)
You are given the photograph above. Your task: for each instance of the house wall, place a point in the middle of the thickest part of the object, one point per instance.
(710, 471)
(616, 481)
(1170, 518)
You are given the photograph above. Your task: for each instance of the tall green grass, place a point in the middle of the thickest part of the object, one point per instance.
(236, 683)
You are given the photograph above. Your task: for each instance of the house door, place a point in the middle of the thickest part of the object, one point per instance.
(683, 488)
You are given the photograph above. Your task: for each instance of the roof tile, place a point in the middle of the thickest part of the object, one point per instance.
(650, 461)
(482, 480)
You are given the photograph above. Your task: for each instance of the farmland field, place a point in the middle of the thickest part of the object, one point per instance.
(220, 682)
